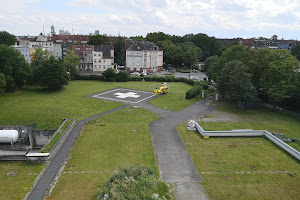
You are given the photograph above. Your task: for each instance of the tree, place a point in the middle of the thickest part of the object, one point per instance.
(137, 38)
(7, 38)
(191, 56)
(187, 46)
(119, 50)
(258, 60)
(276, 80)
(213, 67)
(2, 83)
(235, 83)
(295, 51)
(14, 67)
(157, 36)
(98, 40)
(39, 57)
(52, 74)
(109, 74)
(209, 45)
(71, 61)
(172, 53)
(237, 52)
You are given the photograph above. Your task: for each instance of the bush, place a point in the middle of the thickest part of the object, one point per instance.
(194, 91)
(122, 76)
(136, 78)
(109, 75)
(135, 183)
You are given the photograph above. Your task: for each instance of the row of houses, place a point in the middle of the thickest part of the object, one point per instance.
(141, 56)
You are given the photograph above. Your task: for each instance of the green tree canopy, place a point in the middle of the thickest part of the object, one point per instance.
(14, 67)
(119, 50)
(295, 51)
(157, 36)
(237, 52)
(71, 61)
(213, 67)
(52, 74)
(98, 40)
(172, 53)
(191, 56)
(235, 83)
(209, 45)
(277, 77)
(2, 83)
(7, 38)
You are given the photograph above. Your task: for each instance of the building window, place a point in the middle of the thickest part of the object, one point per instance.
(95, 55)
(99, 61)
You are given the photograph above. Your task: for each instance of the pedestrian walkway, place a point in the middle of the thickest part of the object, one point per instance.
(174, 162)
(41, 188)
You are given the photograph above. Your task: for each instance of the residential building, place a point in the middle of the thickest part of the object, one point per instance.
(103, 58)
(25, 51)
(144, 57)
(94, 58)
(65, 46)
(57, 51)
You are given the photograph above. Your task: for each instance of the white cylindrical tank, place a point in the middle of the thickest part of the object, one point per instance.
(9, 136)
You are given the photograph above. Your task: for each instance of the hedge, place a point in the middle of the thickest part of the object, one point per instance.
(194, 91)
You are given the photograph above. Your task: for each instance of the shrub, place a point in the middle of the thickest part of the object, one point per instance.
(194, 91)
(136, 78)
(135, 183)
(122, 76)
(109, 74)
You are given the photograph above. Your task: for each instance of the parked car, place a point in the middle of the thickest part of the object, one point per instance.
(135, 74)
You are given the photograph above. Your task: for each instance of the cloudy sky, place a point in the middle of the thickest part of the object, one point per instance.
(219, 18)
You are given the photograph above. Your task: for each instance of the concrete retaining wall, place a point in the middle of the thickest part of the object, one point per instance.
(250, 133)
(42, 137)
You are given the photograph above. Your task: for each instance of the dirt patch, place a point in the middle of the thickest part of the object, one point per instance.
(219, 116)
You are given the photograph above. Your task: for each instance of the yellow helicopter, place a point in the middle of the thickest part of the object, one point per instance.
(162, 90)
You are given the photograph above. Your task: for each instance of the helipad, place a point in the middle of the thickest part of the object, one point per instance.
(124, 95)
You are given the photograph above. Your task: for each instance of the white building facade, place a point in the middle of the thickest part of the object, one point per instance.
(144, 57)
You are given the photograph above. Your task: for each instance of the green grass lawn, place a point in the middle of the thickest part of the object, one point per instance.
(47, 148)
(16, 179)
(114, 141)
(48, 108)
(245, 154)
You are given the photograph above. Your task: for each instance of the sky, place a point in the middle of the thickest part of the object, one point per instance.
(218, 18)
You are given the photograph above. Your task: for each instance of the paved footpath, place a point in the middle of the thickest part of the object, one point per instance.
(174, 161)
(41, 188)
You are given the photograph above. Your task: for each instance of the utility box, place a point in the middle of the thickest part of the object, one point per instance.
(191, 125)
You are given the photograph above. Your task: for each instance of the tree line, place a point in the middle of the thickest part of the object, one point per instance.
(44, 70)
(178, 50)
(243, 75)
